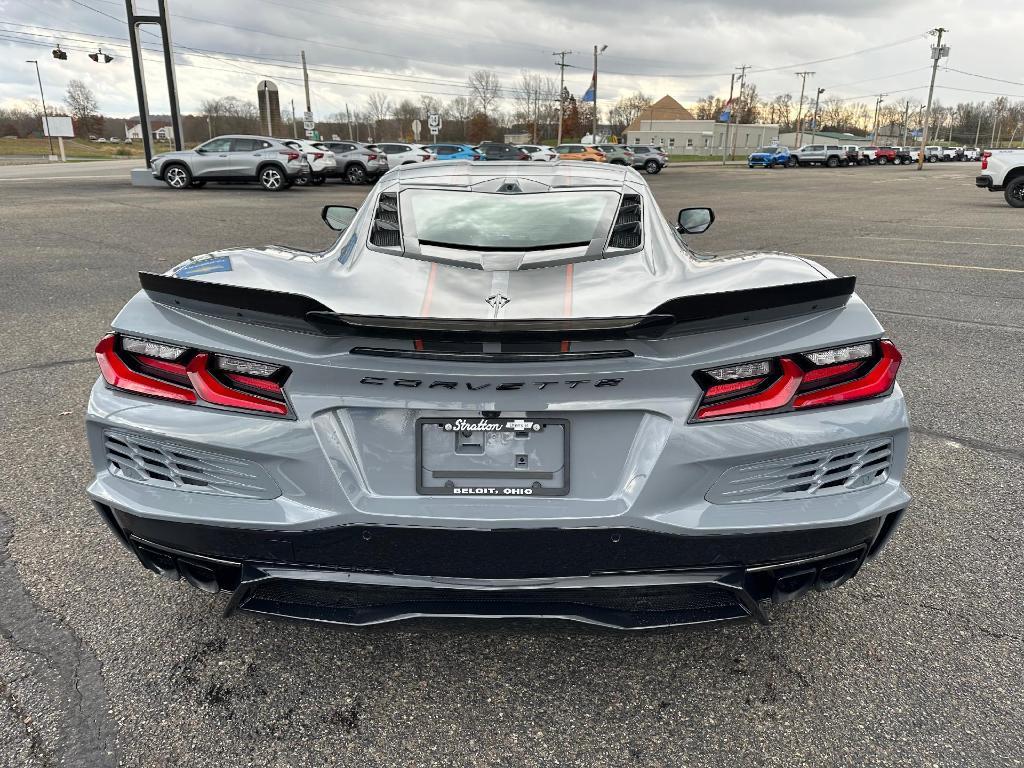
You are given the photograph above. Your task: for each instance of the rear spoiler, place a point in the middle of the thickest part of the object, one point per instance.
(683, 315)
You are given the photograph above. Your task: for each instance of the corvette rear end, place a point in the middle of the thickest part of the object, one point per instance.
(505, 391)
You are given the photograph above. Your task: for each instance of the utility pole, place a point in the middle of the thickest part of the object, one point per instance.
(878, 104)
(46, 117)
(725, 143)
(348, 116)
(906, 117)
(743, 76)
(814, 125)
(295, 130)
(938, 52)
(977, 133)
(561, 89)
(800, 109)
(593, 133)
(305, 81)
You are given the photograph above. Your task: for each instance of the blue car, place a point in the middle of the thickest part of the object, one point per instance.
(453, 152)
(769, 157)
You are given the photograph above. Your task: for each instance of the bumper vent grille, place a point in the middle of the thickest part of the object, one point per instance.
(620, 607)
(386, 232)
(627, 231)
(843, 468)
(169, 465)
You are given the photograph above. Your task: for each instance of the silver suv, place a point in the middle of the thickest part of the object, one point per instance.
(830, 155)
(356, 163)
(652, 159)
(618, 154)
(232, 159)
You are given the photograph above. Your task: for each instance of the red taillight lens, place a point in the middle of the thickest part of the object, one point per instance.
(984, 160)
(806, 380)
(476, 157)
(117, 373)
(371, 156)
(204, 378)
(213, 390)
(318, 155)
(290, 155)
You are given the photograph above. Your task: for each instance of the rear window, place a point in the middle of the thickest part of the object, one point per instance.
(492, 221)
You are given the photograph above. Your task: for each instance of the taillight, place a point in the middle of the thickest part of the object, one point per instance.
(984, 160)
(476, 156)
(371, 156)
(796, 382)
(191, 376)
(318, 155)
(291, 155)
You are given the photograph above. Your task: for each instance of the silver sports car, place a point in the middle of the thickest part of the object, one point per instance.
(507, 390)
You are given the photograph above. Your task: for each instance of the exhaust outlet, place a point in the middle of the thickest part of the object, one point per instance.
(159, 563)
(834, 574)
(791, 585)
(199, 576)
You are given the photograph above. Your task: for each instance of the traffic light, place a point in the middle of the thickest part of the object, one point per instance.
(59, 54)
(101, 57)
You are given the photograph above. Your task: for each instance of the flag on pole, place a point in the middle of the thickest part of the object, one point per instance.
(589, 95)
(726, 112)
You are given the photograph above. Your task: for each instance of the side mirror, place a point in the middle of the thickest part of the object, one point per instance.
(338, 217)
(200, 151)
(693, 221)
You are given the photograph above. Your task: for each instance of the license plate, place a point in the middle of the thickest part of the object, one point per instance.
(493, 457)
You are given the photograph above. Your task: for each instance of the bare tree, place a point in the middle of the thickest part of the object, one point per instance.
(81, 103)
(461, 108)
(405, 112)
(379, 108)
(532, 94)
(627, 109)
(485, 88)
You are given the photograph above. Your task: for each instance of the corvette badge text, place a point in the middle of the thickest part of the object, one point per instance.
(506, 386)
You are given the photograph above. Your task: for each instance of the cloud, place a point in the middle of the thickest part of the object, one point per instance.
(686, 48)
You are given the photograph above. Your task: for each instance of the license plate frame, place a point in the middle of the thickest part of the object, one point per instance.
(496, 490)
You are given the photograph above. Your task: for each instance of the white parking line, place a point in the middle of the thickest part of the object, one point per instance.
(65, 178)
(942, 265)
(942, 242)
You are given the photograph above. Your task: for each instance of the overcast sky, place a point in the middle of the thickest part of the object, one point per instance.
(685, 48)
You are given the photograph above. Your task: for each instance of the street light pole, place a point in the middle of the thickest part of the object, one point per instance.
(594, 131)
(46, 117)
(878, 104)
(814, 125)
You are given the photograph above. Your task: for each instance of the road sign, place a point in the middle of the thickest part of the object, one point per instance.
(416, 125)
(434, 123)
(309, 125)
(309, 134)
(775, 141)
(307, 116)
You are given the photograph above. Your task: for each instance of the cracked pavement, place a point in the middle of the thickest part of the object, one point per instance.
(919, 661)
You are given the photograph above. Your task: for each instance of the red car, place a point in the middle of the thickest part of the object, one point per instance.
(885, 155)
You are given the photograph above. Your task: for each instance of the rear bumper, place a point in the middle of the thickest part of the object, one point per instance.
(985, 182)
(615, 577)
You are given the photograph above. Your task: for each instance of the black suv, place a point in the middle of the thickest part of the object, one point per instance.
(494, 150)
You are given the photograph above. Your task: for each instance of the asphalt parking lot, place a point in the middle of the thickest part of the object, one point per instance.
(917, 662)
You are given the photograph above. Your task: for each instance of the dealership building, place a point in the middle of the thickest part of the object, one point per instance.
(669, 124)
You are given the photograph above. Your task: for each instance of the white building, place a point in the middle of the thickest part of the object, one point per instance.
(668, 124)
(163, 133)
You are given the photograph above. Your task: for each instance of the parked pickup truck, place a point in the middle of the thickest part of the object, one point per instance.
(884, 155)
(1002, 170)
(822, 154)
(951, 153)
(905, 156)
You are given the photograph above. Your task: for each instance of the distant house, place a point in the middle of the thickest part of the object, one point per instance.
(669, 124)
(161, 131)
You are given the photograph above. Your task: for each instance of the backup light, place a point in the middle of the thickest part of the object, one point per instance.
(841, 354)
(742, 371)
(151, 348)
(248, 367)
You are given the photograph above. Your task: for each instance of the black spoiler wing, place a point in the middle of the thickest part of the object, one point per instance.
(686, 314)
